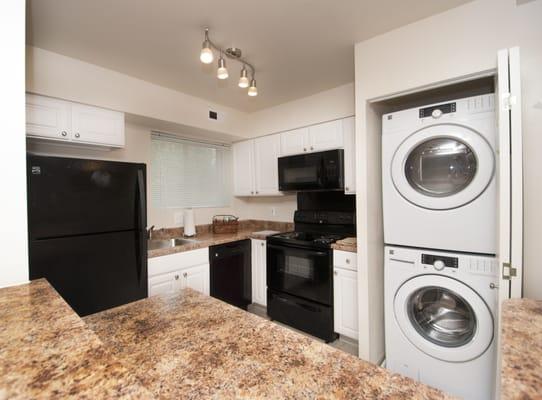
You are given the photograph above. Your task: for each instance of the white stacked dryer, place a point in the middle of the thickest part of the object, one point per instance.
(440, 228)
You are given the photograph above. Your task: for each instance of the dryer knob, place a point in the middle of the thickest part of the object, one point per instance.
(439, 265)
(437, 113)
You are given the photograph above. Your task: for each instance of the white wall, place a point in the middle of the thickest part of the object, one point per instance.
(59, 76)
(443, 48)
(324, 106)
(13, 229)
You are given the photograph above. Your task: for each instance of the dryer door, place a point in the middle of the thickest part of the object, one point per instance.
(443, 166)
(444, 318)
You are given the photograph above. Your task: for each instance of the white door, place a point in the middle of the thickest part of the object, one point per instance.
(243, 168)
(266, 154)
(345, 296)
(165, 283)
(97, 126)
(259, 284)
(349, 135)
(443, 317)
(326, 136)
(295, 141)
(197, 278)
(47, 117)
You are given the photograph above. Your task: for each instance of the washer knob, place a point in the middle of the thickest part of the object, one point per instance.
(437, 113)
(439, 265)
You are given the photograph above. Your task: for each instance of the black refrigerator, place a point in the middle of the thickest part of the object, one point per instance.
(87, 230)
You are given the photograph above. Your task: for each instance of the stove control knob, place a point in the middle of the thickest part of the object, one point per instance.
(439, 265)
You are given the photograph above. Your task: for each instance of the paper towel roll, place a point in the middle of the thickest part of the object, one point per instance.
(189, 225)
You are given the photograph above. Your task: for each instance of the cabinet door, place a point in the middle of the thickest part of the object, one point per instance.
(294, 142)
(97, 126)
(47, 117)
(243, 168)
(259, 284)
(326, 136)
(345, 296)
(349, 134)
(164, 283)
(266, 154)
(197, 278)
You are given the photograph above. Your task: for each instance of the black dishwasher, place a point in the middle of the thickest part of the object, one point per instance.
(231, 273)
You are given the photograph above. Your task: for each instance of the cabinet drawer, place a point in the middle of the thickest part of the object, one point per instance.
(345, 259)
(174, 262)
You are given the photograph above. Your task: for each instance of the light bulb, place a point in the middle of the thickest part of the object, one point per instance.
(206, 55)
(222, 72)
(253, 90)
(243, 80)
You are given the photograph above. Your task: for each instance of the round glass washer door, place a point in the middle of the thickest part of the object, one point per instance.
(444, 318)
(443, 166)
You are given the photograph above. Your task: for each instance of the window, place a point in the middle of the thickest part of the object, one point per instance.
(186, 173)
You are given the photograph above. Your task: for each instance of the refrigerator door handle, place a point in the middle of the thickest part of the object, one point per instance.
(142, 225)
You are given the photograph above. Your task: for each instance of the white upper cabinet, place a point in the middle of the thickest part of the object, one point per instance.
(294, 142)
(326, 136)
(266, 154)
(53, 119)
(47, 118)
(243, 168)
(97, 126)
(349, 135)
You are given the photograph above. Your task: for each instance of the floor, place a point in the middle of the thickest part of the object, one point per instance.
(343, 343)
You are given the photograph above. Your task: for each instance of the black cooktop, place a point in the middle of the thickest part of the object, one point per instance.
(309, 238)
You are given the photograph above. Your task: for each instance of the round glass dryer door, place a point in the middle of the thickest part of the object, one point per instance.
(443, 167)
(444, 318)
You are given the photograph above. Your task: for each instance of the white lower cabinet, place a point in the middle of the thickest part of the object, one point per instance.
(345, 293)
(259, 273)
(177, 271)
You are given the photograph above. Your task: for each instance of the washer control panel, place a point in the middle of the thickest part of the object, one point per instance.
(440, 262)
(437, 111)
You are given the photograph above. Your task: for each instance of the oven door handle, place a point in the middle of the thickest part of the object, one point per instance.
(300, 305)
(282, 248)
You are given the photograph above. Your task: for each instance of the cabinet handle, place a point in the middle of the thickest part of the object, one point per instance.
(64, 133)
(348, 261)
(176, 277)
(312, 148)
(251, 192)
(335, 272)
(257, 192)
(262, 244)
(304, 149)
(185, 274)
(77, 135)
(347, 188)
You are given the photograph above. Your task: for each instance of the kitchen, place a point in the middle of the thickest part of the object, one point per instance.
(215, 155)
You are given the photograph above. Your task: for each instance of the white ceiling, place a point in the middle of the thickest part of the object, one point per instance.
(299, 47)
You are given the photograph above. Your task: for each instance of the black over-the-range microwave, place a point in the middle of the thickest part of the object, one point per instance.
(314, 171)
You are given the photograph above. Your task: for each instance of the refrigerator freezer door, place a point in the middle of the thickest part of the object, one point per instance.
(93, 272)
(68, 196)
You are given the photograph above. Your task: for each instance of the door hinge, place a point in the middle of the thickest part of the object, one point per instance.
(508, 101)
(508, 272)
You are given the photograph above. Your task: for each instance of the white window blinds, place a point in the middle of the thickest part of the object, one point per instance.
(185, 173)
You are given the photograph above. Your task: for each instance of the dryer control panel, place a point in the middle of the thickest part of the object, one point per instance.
(442, 108)
(431, 259)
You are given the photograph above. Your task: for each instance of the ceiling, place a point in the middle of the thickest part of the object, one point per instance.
(299, 47)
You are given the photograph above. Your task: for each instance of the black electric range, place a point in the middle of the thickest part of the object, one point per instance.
(300, 271)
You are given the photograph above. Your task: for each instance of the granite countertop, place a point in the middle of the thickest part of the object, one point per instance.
(521, 345)
(347, 244)
(188, 345)
(47, 351)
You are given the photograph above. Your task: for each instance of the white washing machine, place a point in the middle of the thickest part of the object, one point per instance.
(440, 311)
(438, 176)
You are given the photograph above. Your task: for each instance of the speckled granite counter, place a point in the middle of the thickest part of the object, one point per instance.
(348, 244)
(46, 351)
(205, 237)
(188, 345)
(521, 374)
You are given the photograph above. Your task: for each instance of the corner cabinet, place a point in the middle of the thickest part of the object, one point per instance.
(345, 293)
(78, 124)
(259, 272)
(173, 272)
(255, 168)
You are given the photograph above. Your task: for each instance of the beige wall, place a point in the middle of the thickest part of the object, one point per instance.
(13, 231)
(440, 49)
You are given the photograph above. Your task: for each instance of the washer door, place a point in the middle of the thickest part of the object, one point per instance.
(444, 318)
(443, 166)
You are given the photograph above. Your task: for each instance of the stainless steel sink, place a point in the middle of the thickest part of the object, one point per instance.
(155, 244)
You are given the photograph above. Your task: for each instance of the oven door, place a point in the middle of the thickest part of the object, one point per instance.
(315, 171)
(300, 271)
